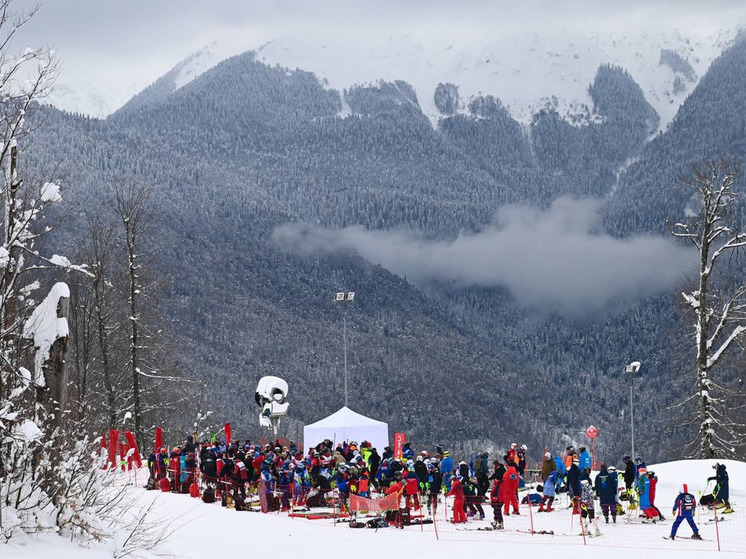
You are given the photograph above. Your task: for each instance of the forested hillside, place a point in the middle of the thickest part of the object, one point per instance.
(246, 148)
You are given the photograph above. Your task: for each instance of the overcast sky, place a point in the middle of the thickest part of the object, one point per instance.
(136, 41)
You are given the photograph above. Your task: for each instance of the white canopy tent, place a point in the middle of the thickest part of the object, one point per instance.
(347, 425)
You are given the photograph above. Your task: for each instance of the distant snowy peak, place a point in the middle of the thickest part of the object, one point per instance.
(528, 71)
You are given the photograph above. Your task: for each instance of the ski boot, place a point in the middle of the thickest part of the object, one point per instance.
(696, 536)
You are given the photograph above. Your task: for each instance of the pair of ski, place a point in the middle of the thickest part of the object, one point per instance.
(687, 538)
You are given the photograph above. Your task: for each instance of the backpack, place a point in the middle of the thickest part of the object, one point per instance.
(210, 467)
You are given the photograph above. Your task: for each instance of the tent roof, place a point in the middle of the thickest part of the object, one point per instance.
(345, 417)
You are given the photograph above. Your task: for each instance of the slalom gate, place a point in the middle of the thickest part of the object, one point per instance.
(719, 532)
(562, 527)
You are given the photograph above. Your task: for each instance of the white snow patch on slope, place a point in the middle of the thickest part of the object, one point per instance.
(527, 70)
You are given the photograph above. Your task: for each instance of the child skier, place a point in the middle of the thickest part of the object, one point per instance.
(587, 504)
(684, 508)
(496, 500)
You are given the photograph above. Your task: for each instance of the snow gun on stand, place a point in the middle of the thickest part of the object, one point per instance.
(271, 395)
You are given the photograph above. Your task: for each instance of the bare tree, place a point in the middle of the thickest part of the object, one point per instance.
(719, 306)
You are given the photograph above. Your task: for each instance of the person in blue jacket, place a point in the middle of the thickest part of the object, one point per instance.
(585, 459)
(407, 452)
(549, 491)
(560, 465)
(606, 488)
(446, 469)
(639, 464)
(684, 508)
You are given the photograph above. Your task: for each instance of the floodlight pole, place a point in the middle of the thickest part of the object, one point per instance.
(633, 368)
(345, 297)
(344, 337)
(632, 416)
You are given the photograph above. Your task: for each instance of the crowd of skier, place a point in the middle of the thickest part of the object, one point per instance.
(285, 478)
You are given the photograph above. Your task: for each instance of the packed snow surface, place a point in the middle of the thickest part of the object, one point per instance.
(200, 530)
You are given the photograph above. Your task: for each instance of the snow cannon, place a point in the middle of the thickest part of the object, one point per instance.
(271, 395)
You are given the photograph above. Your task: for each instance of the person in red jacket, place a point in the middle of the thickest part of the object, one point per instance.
(509, 487)
(411, 490)
(397, 488)
(458, 500)
(653, 483)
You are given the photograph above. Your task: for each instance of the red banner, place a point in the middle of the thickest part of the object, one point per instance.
(227, 434)
(113, 445)
(399, 440)
(158, 439)
(135, 456)
(390, 502)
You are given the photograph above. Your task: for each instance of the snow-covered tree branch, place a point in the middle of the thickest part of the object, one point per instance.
(719, 310)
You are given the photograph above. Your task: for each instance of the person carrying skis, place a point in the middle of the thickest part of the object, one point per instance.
(606, 488)
(684, 508)
(722, 491)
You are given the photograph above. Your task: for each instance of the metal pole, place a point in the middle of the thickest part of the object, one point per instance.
(344, 337)
(632, 416)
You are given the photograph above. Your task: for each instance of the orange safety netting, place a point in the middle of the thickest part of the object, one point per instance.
(390, 502)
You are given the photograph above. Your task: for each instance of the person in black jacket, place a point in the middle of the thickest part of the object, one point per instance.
(629, 473)
(483, 483)
(722, 491)
(573, 484)
(420, 468)
(499, 472)
(374, 462)
(433, 484)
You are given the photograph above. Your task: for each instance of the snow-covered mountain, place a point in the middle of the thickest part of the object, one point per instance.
(528, 70)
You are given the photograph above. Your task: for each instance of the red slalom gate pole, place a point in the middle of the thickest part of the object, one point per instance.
(530, 513)
(717, 528)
